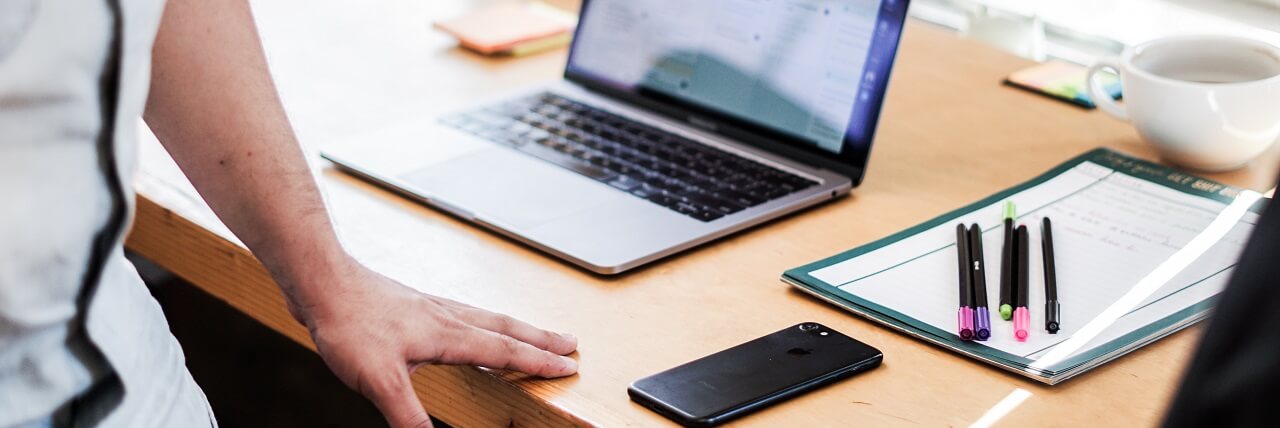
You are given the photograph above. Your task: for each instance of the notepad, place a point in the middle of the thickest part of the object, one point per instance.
(1141, 252)
(512, 28)
(1062, 81)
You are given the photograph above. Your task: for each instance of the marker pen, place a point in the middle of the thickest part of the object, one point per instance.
(1007, 263)
(1021, 315)
(964, 316)
(1052, 309)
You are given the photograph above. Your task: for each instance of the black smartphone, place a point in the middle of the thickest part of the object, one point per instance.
(753, 375)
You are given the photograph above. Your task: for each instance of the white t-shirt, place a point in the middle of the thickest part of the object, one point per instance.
(76, 347)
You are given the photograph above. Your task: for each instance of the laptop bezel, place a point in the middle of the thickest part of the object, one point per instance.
(851, 161)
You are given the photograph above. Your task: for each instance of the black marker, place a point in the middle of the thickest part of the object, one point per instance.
(1051, 307)
(982, 316)
(1022, 314)
(964, 317)
(1007, 264)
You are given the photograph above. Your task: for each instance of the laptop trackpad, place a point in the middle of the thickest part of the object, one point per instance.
(509, 188)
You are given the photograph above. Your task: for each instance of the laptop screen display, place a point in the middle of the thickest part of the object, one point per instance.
(813, 71)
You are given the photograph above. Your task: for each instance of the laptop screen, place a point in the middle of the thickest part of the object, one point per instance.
(812, 71)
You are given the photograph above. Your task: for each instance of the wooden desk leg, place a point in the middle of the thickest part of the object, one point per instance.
(460, 396)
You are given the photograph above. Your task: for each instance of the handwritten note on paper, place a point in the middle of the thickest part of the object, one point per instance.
(1110, 231)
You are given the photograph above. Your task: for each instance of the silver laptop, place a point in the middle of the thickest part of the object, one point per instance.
(676, 123)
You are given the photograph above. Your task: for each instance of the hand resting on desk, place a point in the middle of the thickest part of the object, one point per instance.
(377, 331)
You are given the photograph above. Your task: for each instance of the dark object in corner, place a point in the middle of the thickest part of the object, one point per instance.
(1234, 379)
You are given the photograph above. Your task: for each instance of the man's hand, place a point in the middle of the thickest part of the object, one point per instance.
(375, 332)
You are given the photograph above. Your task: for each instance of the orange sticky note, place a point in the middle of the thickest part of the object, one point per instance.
(501, 28)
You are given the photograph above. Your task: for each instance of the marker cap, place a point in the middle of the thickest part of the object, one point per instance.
(982, 324)
(965, 319)
(1052, 312)
(1006, 312)
(1021, 323)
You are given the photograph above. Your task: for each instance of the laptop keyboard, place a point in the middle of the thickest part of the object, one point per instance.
(682, 175)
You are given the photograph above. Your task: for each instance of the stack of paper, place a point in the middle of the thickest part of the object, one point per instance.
(1141, 251)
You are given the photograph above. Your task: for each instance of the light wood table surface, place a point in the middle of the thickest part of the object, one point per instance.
(950, 134)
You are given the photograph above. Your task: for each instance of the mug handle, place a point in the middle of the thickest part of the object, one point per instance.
(1099, 94)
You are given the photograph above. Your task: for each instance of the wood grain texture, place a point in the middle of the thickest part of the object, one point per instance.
(950, 134)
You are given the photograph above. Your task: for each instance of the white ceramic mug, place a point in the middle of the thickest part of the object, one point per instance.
(1205, 102)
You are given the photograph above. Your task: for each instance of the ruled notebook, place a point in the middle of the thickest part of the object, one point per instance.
(1141, 250)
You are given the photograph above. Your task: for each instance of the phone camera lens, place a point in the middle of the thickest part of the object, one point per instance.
(809, 326)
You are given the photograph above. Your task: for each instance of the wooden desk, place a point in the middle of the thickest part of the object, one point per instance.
(950, 134)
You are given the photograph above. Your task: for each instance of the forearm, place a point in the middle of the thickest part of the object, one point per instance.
(215, 109)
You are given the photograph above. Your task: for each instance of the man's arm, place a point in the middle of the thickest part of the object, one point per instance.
(216, 111)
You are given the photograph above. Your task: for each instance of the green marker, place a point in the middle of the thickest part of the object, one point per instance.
(1007, 264)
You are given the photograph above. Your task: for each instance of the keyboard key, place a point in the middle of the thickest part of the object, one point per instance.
(664, 199)
(642, 192)
(624, 183)
(716, 204)
(687, 208)
(707, 215)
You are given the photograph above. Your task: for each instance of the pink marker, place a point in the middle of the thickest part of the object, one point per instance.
(1021, 315)
(1021, 320)
(965, 319)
